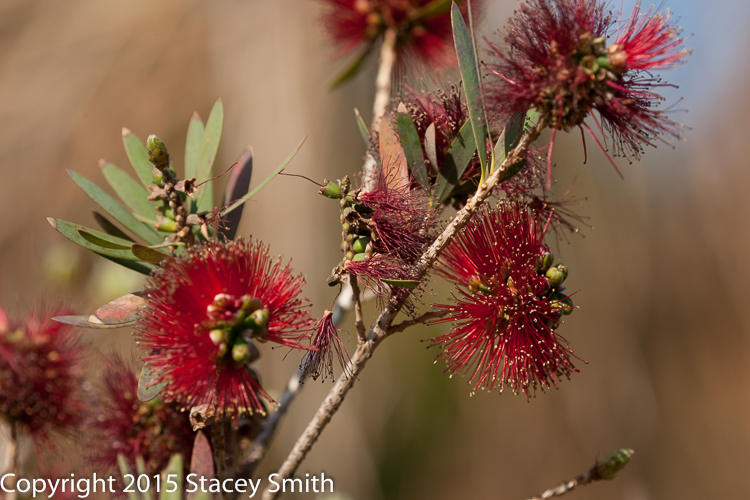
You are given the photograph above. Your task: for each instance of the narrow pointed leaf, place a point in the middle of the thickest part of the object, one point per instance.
(147, 390)
(117, 211)
(110, 242)
(125, 309)
(237, 186)
(147, 254)
(207, 155)
(467, 64)
(411, 145)
(352, 66)
(202, 460)
(455, 162)
(130, 192)
(70, 231)
(140, 468)
(138, 157)
(430, 147)
(109, 227)
(83, 322)
(392, 157)
(193, 144)
(175, 468)
(124, 470)
(402, 283)
(265, 181)
(363, 129)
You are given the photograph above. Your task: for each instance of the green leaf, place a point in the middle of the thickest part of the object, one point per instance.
(471, 81)
(507, 141)
(147, 254)
(363, 129)
(70, 231)
(352, 66)
(109, 227)
(265, 181)
(175, 468)
(131, 192)
(83, 322)
(409, 138)
(207, 155)
(434, 8)
(113, 208)
(104, 242)
(193, 144)
(124, 470)
(455, 162)
(430, 146)
(402, 283)
(237, 186)
(138, 157)
(147, 390)
(140, 467)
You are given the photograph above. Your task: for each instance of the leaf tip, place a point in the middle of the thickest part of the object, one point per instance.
(126, 131)
(195, 116)
(95, 320)
(52, 222)
(402, 108)
(102, 163)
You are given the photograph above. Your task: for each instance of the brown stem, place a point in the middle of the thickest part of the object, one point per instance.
(419, 319)
(379, 331)
(358, 319)
(219, 442)
(11, 453)
(385, 77)
(560, 490)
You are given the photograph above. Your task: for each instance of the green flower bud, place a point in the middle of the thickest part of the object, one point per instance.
(346, 226)
(157, 152)
(240, 352)
(218, 337)
(158, 176)
(250, 303)
(260, 316)
(222, 350)
(349, 255)
(563, 268)
(351, 238)
(360, 244)
(545, 261)
(359, 257)
(555, 276)
(166, 224)
(609, 466)
(331, 190)
(343, 202)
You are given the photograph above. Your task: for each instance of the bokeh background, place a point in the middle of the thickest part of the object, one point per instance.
(662, 274)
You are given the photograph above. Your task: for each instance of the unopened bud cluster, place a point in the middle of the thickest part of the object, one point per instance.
(233, 323)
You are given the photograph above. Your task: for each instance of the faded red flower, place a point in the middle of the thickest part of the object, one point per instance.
(327, 344)
(510, 301)
(123, 424)
(205, 308)
(557, 61)
(354, 23)
(40, 375)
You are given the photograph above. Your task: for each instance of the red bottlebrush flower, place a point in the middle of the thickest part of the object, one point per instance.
(353, 23)
(319, 362)
(558, 62)
(40, 375)
(154, 430)
(509, 303)
(204, 310)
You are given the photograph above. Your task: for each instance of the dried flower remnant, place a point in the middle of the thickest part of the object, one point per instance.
(154, 430)
(205, 309)
(510, 302)
(557, 61)
(319, 362)
(40, 375)
(352, 24)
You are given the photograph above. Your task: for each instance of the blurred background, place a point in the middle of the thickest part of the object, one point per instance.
(661, 274)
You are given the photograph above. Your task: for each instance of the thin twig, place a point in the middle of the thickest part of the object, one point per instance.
(385, 77)
(358, 319)
(379, 331)
(419, 319)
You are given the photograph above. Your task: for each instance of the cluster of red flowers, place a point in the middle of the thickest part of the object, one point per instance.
(205, 310)
(510, 301)
(556, 60)
(40, 375)
(123, 424)
(353, 23)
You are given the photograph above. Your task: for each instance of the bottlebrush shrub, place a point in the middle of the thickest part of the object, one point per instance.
(40, 375)
(212, 299)
(124, 425)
